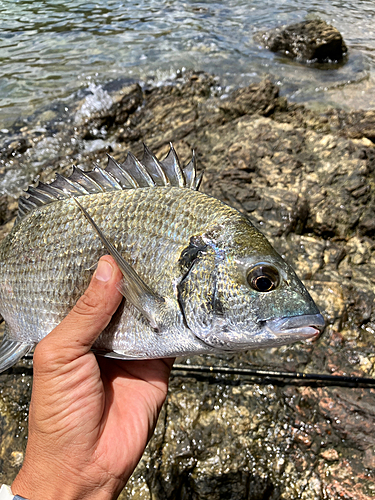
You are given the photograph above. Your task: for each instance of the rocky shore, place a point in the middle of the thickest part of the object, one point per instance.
(307, 180)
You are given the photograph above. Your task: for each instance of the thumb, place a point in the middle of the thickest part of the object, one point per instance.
(74, 336)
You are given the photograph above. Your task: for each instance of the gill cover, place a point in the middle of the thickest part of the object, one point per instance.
(198, 291)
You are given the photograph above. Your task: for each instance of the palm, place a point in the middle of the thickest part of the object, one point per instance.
(133, 393)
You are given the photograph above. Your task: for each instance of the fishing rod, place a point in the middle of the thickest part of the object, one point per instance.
(278, 376)
(270, 376)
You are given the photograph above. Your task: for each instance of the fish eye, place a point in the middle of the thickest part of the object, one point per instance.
(263, 277)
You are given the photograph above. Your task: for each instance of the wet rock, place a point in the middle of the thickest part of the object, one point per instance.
(308, 41)
(262, 98)
(16, 147)
(97, 126)
(361, 124)
(330, 455)
(8, 209)
(15, 392)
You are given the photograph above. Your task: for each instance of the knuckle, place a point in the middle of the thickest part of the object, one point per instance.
(38, 353)
(44, 354)
(87, 303)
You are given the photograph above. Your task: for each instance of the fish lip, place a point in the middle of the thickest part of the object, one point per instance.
(273, 332)
(305, 326)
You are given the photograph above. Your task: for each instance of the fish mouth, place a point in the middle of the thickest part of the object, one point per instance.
(304, 327)
(272, 332)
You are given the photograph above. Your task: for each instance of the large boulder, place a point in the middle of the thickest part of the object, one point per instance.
(308, 41)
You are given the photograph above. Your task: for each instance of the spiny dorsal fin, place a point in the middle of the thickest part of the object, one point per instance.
(171, 166)
(132, 174)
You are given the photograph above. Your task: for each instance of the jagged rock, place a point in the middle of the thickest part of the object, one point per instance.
(308, 41)
(262, 98)
(126, 103)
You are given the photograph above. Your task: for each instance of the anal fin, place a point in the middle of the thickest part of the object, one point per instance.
(11, 351)
(116, 354)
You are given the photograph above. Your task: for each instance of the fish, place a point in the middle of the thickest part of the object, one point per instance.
(198, 277)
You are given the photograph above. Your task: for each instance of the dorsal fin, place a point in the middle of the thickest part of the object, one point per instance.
(132, 174)
(155, 168)
(171, 166)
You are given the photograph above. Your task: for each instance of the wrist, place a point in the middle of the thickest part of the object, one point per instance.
(7, 494)
(34, 486)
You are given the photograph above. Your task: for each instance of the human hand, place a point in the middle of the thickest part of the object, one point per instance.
(90, 418)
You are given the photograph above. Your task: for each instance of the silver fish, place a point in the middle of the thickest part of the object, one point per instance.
(197, 276)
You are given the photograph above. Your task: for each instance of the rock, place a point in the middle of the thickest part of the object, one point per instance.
(330, 455)
(309, 185)
(7, 209)
(16, 147)
(262, 98)
(98, 125)
(308, 41)
(362, 124)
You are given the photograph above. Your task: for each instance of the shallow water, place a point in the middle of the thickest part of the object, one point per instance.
(51, 50)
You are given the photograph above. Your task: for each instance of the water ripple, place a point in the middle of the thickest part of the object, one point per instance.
(51, 49)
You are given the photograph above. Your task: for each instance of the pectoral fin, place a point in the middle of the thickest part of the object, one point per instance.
(132, 287)
(11, 351)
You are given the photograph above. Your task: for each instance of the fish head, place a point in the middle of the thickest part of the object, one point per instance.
(238, 292)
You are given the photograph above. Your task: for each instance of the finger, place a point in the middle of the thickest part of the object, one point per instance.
(169, 362)
(88, 318)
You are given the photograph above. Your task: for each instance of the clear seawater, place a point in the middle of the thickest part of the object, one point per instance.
(50, 50)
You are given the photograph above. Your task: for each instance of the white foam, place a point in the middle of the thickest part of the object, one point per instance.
(98, 100)
(95, 145)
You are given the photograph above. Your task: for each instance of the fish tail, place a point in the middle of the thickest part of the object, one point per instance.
(11, 351)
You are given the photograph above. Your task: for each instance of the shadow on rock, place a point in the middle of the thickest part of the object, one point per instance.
(239, 485)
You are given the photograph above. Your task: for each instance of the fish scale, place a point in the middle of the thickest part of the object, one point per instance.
(45, 226)
(191, 266)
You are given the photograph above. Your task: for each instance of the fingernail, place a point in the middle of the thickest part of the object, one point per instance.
(103, 271)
